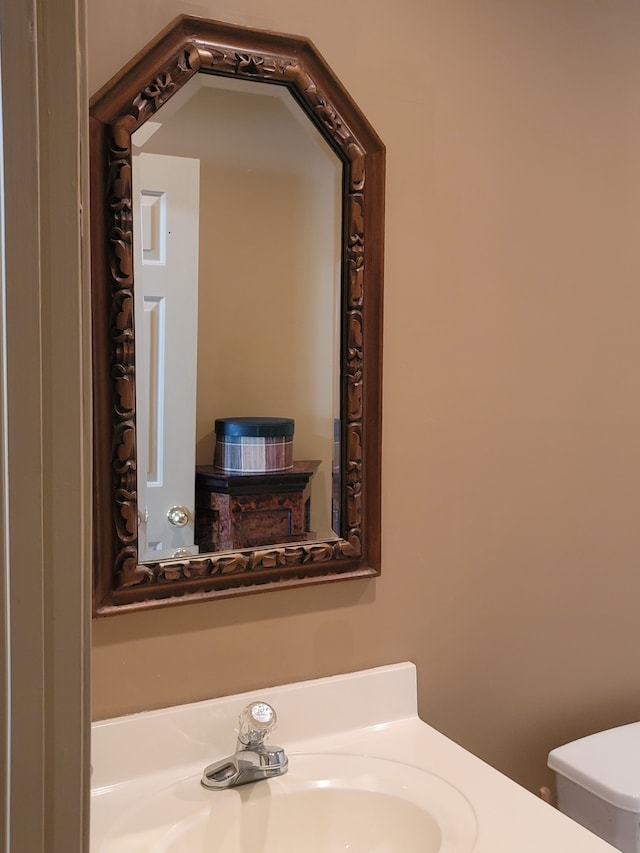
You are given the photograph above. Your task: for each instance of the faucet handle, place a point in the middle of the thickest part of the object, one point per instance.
(256, 721)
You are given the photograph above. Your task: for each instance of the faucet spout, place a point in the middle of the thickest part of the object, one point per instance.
(221, 774)
(253, 760)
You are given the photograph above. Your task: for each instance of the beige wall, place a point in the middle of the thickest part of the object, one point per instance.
(512, 357)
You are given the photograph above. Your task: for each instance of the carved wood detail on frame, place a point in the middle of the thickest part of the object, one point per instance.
(244, 568)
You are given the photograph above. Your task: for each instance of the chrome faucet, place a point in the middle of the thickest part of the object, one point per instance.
(252, 760)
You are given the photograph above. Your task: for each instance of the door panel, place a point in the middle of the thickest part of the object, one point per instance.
(166, 193)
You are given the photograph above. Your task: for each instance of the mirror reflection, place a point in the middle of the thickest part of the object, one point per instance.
(237, 247)
(272, 310)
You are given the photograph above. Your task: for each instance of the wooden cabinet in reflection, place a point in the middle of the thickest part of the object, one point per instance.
(235, 511)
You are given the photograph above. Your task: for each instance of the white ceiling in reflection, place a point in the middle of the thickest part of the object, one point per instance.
(264, 128)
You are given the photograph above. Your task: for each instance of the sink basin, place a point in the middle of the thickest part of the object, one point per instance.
(324, 803)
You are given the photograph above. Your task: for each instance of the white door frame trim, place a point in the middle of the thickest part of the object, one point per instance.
(45, 540)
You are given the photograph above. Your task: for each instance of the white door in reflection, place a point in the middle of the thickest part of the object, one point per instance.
(166, 227)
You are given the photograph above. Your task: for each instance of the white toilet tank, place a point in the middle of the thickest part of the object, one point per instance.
(598, 784)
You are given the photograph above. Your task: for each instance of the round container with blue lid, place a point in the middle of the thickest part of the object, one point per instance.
(254, 445)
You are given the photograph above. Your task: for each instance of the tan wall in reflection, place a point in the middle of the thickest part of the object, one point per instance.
(266, 309)
(512, 364)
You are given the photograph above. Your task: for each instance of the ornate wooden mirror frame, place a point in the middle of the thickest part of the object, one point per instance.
(188, 46)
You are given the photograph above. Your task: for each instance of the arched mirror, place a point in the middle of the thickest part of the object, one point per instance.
(237, 234)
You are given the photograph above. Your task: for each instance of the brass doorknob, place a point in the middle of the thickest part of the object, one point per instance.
(178, 516)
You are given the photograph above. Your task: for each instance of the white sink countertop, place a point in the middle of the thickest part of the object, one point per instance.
(369, 715)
